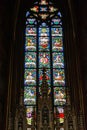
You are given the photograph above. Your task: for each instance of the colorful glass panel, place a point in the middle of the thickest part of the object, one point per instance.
(56, 31)
(30, 44)
(60, 114)
(30, 60)
(48, 78)
(58, 60)
(44, 59)
(58, 77)
(43, 9)
(44, 48)
(30, 77)
(52, 9)
(30, 114)
(29, 95)
(44, 44)
(35, 8)
(43, 16)
(30, 31)
(43, 31)
(57, 44)
(31, 21)
(43, 2)
(59, 96)
(56, 21)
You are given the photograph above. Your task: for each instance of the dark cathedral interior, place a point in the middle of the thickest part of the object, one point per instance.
(11, 59)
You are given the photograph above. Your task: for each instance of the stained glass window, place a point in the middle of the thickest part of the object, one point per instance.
(44, 48)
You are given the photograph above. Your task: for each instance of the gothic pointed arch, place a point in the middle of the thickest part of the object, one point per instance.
(45, 39)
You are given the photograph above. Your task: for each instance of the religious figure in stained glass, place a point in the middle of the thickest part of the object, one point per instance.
(56, 31)
(29, 95)
(57, 44)
(30, 44)
(48, 77)
(58, 61)
(44, 59)
(30, 60)
(44, 49)
(59, 96)
(44, 31)
(59, 77)
(30, 31)
(44, 44)
(30, 114)
(30, 77)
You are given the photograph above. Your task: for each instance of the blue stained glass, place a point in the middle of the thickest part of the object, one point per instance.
(44, 44)
(43, 31)
(30, 60)
(59, 96)
(48, 78)
(31, 21)
(43, 24)
(56, 21)
(30, 44)
(44, 59)
(30, 31)
(27, 13)
(58, 77)
(58, 60)
(43, 9)
(30, 77)
(29, 95)
(56, 31)
(44, 49)
(57, 44)
(59, 14)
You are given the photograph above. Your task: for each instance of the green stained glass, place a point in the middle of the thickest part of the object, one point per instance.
(44, 59)
(30, 44)
(56, 31)
(30, 77)
(44, 49)
(31, 21)
(44, 44)
(59, 96)
(56, 21)
(30, 31)
(58, 60)
(57, 44)
(30, 114)
(58, 77)
(30, 60)
(30, 95)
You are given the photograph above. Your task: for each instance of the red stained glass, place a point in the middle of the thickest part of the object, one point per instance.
(44, 49)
